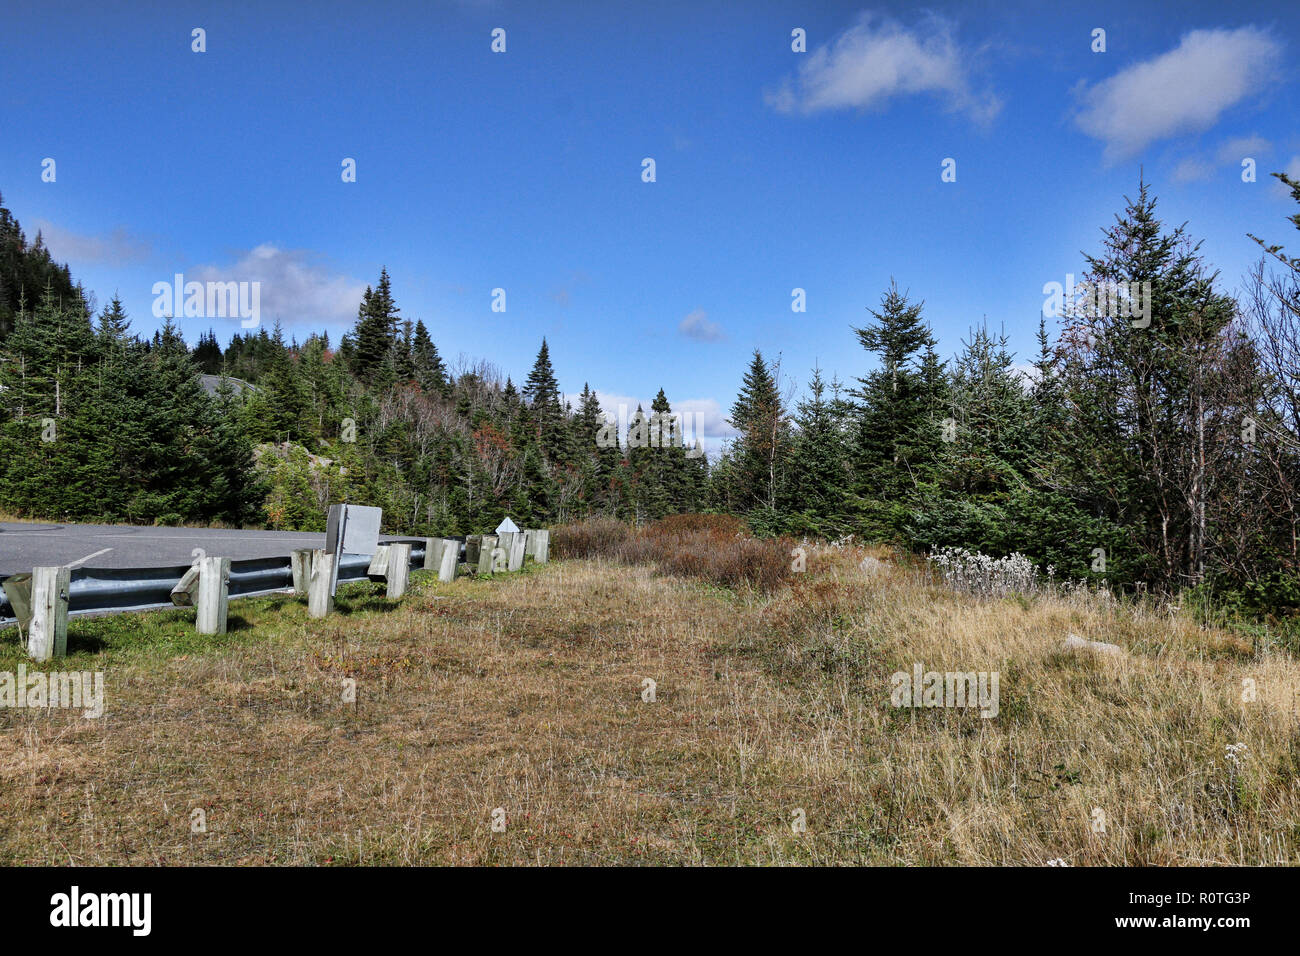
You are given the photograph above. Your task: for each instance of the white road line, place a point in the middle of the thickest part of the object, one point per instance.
(73, 564)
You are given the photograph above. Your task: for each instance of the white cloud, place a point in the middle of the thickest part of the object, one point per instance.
(295, 286)
(1192, 169)
(117, 248)
(1233, 151)
(1184, 90)
(1027, 372)
(697, 326)
(1230, 153)
(877, 59)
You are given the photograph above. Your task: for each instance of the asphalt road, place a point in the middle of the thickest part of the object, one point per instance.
(25, 546)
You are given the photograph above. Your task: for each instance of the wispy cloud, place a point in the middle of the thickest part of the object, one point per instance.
(1193, 169)
(1230, 153)
(696, 326)
(118, 248)
(1233, 151)
(296, 286)
(1185, 90)
(878, 59)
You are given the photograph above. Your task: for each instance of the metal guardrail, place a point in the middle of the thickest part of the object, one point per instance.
(119, 590)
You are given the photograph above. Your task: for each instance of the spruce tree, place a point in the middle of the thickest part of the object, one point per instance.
(760, 453)
(1147, 415)
(375, 335)
(430, 373)
(819, 469)
(896, 435)
(543, 392)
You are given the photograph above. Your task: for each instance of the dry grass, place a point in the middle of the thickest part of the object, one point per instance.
(525, 693)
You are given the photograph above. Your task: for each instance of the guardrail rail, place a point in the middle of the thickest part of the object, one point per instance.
(118, 590)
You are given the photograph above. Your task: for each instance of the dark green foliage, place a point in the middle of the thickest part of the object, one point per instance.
(1117, 440)
(28, 274)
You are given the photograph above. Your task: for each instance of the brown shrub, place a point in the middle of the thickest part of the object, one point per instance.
(711, 547)
(728, 526)
(593, 538)
(731, 562)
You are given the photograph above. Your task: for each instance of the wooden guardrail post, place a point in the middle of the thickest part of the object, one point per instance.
(398, 572)
(206, 588)
(539, 545)
(487, 544)
(300, 562)
(319, 599)
(515, 554)
(449, 559)
(378, 570)
(214, 595)
(506, 542)
(47, 635)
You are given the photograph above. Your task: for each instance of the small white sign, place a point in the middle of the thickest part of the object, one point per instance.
(507, 527)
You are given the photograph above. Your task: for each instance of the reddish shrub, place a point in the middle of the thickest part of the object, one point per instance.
(593, 538)
(711, 547)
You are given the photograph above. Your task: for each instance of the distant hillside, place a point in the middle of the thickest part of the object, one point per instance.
(26, 270)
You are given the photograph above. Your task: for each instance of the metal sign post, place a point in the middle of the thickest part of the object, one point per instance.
(350, 529)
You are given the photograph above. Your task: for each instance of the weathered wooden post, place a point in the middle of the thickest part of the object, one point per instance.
(378, 570)
(18, 589)
(541, 546)
(432, 553)
(300, 562)
(398, 572)
(473, 544)
(487, 544)
(515, 555)
(506, 542)
(205, 586)
(450, 558)
(320, 600)
(47, 635)
(213, 595)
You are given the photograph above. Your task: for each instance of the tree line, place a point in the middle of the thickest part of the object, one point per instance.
(1164, 456)
(1161, 454)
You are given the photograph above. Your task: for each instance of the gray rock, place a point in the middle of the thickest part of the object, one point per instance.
(1076, 643)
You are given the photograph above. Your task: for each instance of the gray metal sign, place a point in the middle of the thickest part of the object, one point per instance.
(351, 529)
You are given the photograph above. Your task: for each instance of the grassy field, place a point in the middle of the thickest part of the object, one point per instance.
(525, 693)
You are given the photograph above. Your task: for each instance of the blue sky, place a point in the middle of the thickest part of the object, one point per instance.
(522, 170)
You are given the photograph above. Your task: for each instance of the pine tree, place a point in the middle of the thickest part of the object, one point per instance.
(1148, 415)
(820, 463)
(543, 392)
(375, 335)
(404, 353)
(665, 462)
(760, 453)
(896, 435)
(430, 373)
(113, 323)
